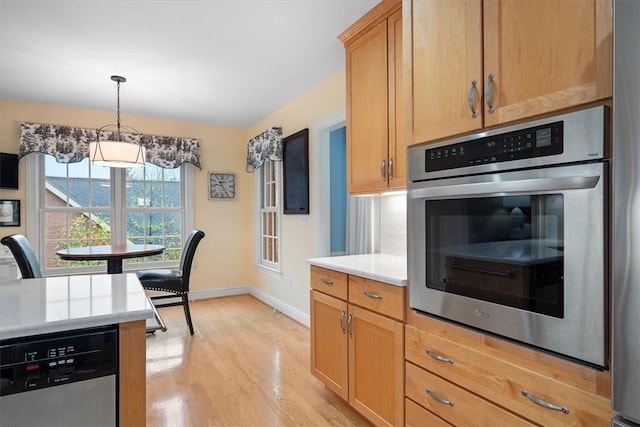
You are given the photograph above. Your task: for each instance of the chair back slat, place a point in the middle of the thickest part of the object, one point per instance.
(24, 255)
(188, 253)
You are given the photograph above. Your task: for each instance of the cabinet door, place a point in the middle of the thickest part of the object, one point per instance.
(376, 367)
(329, 342)
(545, 57)
(367, 111)
(446, 37)
(397, 168)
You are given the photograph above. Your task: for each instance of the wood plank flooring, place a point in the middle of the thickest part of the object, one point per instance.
(246, 365)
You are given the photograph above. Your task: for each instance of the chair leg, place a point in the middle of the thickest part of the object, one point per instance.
(187, 312)
(162, 327)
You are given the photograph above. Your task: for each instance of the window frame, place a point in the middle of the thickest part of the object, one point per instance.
(273, 269)
(35, 228)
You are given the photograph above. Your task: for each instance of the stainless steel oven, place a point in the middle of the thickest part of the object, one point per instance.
(507, 232)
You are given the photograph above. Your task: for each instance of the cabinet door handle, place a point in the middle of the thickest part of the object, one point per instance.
(471, 99)
(327, 281)
(438, 357)
(487, 92)
(383, 171)
(439, 399)
(344, 329)
(544, 403)
(372, 295)
(390, 169)
(349, 324)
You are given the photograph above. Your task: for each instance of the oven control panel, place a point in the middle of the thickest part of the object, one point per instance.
(538, 141)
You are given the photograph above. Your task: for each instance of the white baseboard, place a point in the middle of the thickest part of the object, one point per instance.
(218, 293)
(285, 309)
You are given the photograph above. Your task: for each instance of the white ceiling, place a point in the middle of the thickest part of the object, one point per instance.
(224, 62)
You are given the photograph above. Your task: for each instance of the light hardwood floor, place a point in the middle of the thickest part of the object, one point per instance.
(246, 365)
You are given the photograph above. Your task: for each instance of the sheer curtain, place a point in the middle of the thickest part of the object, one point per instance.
(363, 230)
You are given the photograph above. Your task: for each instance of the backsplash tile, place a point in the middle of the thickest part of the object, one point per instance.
(393, 224)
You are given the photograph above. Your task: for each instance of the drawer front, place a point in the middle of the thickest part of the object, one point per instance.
(417, 416)
(377, 296)
(452, 403)
(330, 282)
(504, 382)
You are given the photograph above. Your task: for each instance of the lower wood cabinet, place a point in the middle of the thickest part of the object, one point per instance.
(329, 343)
(357, 352)
(468, 378)
(417, 416)
(455, 404)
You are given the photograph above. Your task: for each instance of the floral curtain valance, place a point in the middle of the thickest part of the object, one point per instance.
(266, 146)
(70, 144)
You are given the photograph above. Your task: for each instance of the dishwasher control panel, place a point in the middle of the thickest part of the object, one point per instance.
(48, 360)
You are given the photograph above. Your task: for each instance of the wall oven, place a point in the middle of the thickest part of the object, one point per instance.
(507, 232)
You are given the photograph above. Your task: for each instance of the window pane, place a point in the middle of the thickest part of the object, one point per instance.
(172, 188)
(160, 190)
(275, 251)
(73, 229)
(153, 186)
(264, 248)
(135, 226)
(275, 225)
(76, 184)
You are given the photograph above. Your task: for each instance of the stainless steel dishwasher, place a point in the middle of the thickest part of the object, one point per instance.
(60, 379)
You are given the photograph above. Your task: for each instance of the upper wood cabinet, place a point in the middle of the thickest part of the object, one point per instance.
(376, 150)
(478, 63)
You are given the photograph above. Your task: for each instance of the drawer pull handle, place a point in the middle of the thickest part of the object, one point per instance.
(349, 319)
(438, 357)
(344, 329)
(487, 92)
(372, 295)
(327, 281)
(382, 170)
(439, 399)
(471, 101)
(544, 403)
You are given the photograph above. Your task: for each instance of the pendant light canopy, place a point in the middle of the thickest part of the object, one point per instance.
(111, 149)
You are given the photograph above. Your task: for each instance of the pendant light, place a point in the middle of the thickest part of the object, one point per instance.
(111, 149)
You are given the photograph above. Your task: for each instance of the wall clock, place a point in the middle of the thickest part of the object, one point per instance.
(222, 186)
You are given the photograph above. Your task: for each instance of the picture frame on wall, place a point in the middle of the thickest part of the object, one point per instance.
(295, 158)
(9, 213)
(222, 186)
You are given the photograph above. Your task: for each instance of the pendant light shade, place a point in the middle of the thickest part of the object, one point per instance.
(111, 149)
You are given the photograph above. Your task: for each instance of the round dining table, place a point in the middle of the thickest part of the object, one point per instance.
(113, 254)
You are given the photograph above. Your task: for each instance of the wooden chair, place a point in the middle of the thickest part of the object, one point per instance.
(174, 282)
(24, 255)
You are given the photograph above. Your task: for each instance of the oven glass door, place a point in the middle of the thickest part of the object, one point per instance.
(506, 250)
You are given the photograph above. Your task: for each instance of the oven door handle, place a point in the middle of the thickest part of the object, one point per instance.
(516, 186)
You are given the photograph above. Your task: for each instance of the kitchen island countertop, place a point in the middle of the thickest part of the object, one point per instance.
(391, 269)
(53, 304)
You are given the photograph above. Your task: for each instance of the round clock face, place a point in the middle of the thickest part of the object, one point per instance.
(222, 185)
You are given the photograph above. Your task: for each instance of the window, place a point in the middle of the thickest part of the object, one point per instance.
(83, 205)
(269, 216)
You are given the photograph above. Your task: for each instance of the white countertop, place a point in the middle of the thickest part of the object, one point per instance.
(53, 304)
(385, 268)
